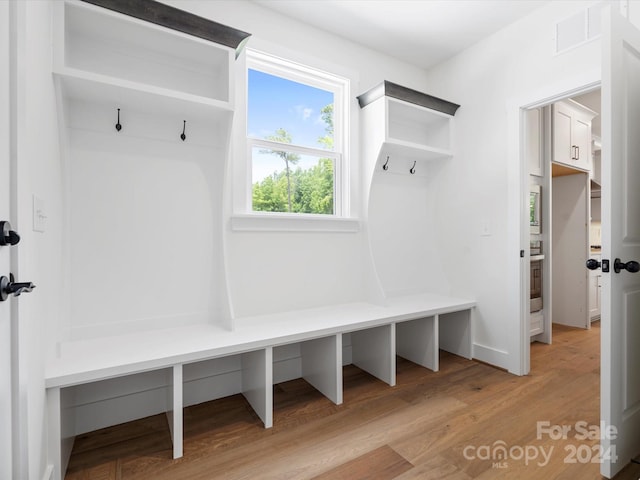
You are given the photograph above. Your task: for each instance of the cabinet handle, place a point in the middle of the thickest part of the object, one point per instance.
(577, 152)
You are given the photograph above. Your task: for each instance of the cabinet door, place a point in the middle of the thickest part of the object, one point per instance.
(562, 145)
(598, 290)
(581, 142)
(595, 282)
(594, 310)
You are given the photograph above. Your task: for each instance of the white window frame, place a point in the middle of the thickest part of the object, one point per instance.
(339, 86)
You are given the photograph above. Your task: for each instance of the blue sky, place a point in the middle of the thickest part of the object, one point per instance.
(275, 102)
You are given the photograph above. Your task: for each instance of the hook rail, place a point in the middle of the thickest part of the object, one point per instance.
(118, 126)
(183, 135)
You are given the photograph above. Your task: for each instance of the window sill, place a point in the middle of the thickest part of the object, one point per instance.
(265, 222)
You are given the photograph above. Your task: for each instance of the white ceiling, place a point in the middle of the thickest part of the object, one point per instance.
(421, 32)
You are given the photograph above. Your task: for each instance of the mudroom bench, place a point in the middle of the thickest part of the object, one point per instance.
(413, 327)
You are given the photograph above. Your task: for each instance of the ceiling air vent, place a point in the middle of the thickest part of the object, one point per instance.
(579, 28)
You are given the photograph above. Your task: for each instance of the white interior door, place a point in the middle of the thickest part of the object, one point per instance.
(620, 368)
(5, 313)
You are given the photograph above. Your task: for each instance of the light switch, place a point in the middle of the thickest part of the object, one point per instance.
(39, 215)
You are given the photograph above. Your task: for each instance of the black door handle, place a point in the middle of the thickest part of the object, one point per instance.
(9, 287)
(593, 264)
(631, 267)
(8, 236)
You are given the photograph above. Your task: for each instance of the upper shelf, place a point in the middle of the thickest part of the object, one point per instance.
(416, 126)
(406, 124)
(98, 43)
(409, 95)
(96, 88)
(176, 19)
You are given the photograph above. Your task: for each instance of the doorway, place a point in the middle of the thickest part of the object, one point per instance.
(562, 150)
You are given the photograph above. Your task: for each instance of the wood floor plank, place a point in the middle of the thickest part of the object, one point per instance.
(104, 471)
(435, 468)
(273, 447)
(313, 450)
(383, 463)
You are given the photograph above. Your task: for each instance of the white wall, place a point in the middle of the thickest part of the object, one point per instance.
(39, 254)
(480, 200)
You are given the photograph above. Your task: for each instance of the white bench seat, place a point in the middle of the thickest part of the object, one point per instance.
(414, 327)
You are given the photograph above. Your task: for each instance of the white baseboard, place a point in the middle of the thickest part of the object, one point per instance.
(492, 356)
(48, 473)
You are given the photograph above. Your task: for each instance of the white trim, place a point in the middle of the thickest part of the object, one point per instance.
(295, 71)
(519, 334)
(292, 222)
(48, 473)
(492, 356)
(292, 147)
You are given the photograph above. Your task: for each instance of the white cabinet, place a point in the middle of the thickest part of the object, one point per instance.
(128, 89)
(572, 134)
(105, 56)
(405, 135)
(536, 326)
(402, 126)
(595, 287)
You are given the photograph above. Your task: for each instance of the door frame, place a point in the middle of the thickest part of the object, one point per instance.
(7, 184)
(523, 222)
(19, 373)
(518, 212)
(18, 460)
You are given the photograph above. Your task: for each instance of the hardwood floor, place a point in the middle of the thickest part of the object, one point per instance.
(441, 425)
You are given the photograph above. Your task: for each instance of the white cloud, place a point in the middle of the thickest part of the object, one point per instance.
(304, 112)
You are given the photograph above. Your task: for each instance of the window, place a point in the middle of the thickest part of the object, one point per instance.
(296, 119)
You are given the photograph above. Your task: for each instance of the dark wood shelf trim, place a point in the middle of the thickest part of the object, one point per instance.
(179, 20)
(408, 95)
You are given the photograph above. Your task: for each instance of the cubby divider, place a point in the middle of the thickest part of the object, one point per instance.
(257, 383)
(175, 409)
(322, 365)
(374, 351)
(417, 341)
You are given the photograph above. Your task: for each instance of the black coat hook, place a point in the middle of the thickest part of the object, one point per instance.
(386, 164)
(412, 170)
(184, 127)
(118, 126)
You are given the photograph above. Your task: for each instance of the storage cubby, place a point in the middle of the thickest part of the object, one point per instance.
(126, 398)
(417, 341)
(373, 350)
(318, 361)
(98, 41)
(418, 126)
(134, 197)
